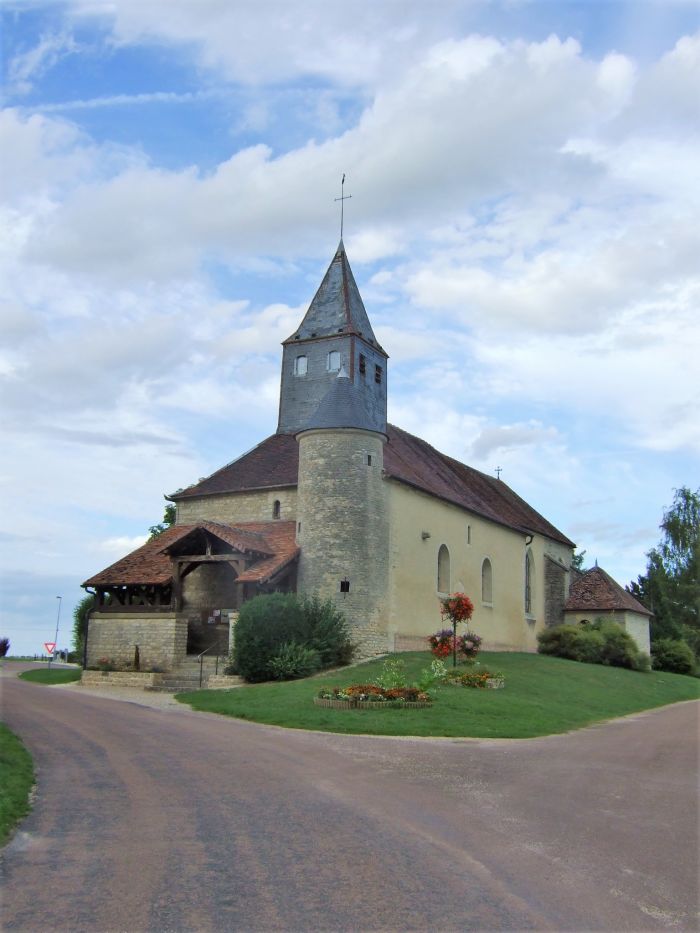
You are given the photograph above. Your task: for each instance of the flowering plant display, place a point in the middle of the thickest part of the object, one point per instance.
(476, 676)
(442, 643)
(370, 693)
(457, 607)
(468, 645)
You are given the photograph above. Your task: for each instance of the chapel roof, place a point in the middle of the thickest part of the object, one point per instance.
(337, 306)
(596, 591)
(407, 459)
(272, 543)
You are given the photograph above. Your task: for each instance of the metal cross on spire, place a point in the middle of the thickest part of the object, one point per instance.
(343, 197)
(498, 472)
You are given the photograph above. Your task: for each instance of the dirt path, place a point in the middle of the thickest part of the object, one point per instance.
(166, 820)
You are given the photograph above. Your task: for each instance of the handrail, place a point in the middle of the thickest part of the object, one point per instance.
(200, 658)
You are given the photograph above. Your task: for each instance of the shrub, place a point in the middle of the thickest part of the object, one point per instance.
(575, 642)
(4, 646)
(672, 655)
(602, 642)
(268, 624)
(619, 648)
(264, 625)
(293, 661)
(326, 630)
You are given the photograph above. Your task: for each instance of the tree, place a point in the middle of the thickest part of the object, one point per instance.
(4, 646)
(80, 620)
(671, 586)
(169, 516)
(577, 560)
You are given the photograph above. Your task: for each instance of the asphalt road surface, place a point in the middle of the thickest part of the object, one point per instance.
(168, 820)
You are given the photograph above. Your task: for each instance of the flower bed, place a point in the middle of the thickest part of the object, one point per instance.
(371, 696)
(476, 677)
(371, 704)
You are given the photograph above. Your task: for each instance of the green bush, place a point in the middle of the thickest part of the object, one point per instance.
(575, 642)
(601, 642)
(672, 655)
(619, 648)
(267, 623)
(264, 625)
(326, 630)
(293, 661)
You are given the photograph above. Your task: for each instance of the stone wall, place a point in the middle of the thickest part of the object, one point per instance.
(239, 507)
(210, 586)
(119, 679)
(161, 638)
(344, 531)
(554, 591)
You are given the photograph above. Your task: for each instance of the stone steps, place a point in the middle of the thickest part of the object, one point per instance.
(186, 676)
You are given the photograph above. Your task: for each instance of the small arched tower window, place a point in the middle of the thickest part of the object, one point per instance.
(301, 364)
(486, 582)
(529, 581)
(333, 361)
(443, 570)
(276, 509)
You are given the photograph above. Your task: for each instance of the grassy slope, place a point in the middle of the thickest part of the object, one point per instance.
(54, 676)
(542, 695)
(16, 780)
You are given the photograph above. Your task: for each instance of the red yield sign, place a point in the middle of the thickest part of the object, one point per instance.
(50, 646)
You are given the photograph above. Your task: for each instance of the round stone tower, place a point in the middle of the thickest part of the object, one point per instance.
(342, 513)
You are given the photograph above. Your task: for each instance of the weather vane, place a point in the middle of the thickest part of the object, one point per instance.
(343, 197)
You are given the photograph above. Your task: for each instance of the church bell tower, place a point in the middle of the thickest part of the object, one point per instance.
(334, 335)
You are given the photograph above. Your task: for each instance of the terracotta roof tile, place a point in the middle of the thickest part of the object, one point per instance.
(275, 462)
(411, 460)
(151, 564)
(596, 591)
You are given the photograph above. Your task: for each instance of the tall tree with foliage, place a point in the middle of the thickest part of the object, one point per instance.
(169, 516)
(80, 620)
(671, 586)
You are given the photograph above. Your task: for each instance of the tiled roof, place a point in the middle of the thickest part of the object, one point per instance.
(273, 463)
(411, 460)
(596, 591)
(151, 564)
(408, 459)
(337, 306)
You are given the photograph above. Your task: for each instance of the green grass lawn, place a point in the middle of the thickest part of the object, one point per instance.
(542, 695)
(16, 780)
(54, 676)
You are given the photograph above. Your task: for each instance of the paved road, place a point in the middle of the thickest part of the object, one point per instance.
(168, 820)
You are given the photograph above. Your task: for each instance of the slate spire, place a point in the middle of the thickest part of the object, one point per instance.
(337, 306)
(335, 336)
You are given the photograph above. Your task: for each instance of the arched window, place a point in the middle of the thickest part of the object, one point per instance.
(486, 581)
(300, 366)
(529, 581)
(333, 361)
(443, 570)
(276, 509)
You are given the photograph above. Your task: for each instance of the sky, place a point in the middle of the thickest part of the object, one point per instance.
(523, 230)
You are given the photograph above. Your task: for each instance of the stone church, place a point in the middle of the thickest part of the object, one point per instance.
(339, 503)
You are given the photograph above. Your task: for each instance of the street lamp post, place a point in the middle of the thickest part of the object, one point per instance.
(55, 638)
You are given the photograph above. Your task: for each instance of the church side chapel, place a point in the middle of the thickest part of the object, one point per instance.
(341, 504)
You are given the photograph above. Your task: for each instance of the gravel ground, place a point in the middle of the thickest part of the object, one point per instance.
(152, 698)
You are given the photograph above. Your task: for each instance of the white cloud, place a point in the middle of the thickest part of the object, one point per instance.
(25, 68)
